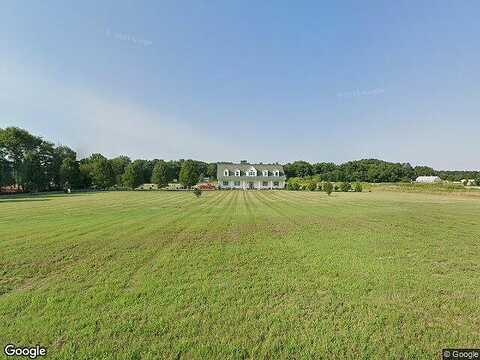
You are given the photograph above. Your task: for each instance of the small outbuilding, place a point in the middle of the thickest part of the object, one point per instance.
(468, 182)
(428, 179)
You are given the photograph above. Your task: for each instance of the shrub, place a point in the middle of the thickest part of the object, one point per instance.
(293, 184)
(335, 187)
(328, 187)
(358, 187)
(345, 186)
(311, 186)
(197, 192)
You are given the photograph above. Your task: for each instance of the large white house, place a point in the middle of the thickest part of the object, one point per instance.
(250, 176)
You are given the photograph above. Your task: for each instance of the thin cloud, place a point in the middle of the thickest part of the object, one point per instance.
(96, 123)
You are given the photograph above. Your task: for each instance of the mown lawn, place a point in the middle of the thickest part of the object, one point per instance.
(232, 274)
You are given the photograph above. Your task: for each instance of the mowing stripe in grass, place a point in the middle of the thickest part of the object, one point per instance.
(241, 274)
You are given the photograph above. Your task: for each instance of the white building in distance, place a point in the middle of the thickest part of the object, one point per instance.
(428, 179)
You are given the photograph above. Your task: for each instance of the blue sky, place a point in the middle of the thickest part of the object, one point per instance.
(230, 80)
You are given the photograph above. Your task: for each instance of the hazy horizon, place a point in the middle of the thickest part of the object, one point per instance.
(329, 82)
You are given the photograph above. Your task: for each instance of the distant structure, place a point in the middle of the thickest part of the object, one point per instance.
(468, 182)
(428, 179)
(174, 186)
(248, 176)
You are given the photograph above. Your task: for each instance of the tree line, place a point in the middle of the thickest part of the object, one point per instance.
(370, 170)
(30, 163)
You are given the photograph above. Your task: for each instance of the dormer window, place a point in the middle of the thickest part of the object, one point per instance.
(276, 173)
(237, 172)
(252, 172)
(226, 172)
(265, 172)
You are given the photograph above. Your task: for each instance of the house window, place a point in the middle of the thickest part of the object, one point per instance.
(225, 173)
(252, 173)
(275, 183)
(265, 183)
(237, 183)
(237, 172)
(276, 173)
(265, 172)
(225, 183)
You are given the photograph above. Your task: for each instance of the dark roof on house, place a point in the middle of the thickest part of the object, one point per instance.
(244, 167)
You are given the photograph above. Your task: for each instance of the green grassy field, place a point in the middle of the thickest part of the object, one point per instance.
(152, 275)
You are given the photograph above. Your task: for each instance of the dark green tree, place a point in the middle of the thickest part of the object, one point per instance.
(32, 174)
(6, 177)
(85, 173)
(46, 152)
(189, 173)
(147, 169)
(174, 167)
(160, 174)
(119, 165)
(70, 174)
(212, 171)
(324, 168)
(101, 172)
(15, 143)
(424, 171)
(202, 169)
(298, 169)
(54, 158)
(133, 176)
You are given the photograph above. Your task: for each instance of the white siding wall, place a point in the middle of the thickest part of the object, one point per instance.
(257, 184)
